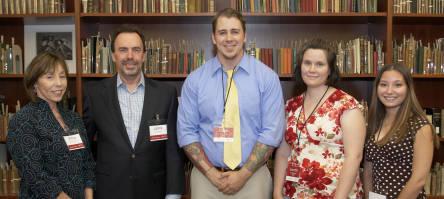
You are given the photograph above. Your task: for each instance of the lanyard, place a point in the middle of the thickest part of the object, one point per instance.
(306, 119)
(229, 87)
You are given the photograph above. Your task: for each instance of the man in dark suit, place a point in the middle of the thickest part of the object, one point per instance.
(134, 121)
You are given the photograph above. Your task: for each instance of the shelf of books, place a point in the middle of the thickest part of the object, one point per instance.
(365, 34)
(35, 7)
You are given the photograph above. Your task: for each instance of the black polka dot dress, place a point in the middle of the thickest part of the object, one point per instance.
(392, 163)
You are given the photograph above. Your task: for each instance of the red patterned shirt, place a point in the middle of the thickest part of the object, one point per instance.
(317, 155)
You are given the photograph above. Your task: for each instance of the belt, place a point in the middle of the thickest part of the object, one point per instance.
(223, 169)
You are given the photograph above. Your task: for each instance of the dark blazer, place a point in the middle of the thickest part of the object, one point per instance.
(151, 169)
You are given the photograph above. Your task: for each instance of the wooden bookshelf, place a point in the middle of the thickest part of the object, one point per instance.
(263, 27)
(435, 197)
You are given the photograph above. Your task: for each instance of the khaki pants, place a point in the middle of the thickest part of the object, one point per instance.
(259, 186)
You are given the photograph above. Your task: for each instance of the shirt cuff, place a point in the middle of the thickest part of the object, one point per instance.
(173, 196)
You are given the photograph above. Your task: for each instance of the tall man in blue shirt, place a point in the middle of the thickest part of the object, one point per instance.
(206, 130)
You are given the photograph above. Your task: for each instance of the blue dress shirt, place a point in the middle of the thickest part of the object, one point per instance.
(261, 107)
(131, 106)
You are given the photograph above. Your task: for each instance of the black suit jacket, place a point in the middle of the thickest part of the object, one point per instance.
(151, 169)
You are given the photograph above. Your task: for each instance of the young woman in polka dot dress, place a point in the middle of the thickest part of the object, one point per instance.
(399, 146)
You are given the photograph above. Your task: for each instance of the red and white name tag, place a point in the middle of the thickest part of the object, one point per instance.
(292, 172)
(223, 134)
(158, 132)
(74, 142)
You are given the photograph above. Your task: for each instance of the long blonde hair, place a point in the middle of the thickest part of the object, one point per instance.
(410, 107)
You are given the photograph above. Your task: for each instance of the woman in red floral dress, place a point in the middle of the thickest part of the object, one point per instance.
(324, 139)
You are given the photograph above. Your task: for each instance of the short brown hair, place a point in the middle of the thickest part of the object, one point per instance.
(330, 53)
(126, 28)
(40, 65)
(228, 12)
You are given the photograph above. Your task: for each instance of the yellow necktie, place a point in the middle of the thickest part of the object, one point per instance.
(232, 150)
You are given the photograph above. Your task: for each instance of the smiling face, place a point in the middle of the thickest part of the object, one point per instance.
(128, 54)
(51, 86)
(392, 90)
(314, 68)
(229, 38)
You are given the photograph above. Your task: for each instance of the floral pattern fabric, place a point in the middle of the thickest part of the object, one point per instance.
(317, 149)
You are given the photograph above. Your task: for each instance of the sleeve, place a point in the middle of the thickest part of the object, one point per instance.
(368, 154)
(418, 123)
(350, 103)
(23, 145)
(175, 157)
(88, 161)
(273, 113)
(188, 115)
(88, 118)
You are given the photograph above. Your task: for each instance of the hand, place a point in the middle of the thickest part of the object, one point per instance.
(88, 193)
(235, 180)
(216, 178)
(62, 195)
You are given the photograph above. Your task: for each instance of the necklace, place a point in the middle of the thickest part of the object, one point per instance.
(306, 119)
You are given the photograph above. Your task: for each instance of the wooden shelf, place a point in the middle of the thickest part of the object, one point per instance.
(93, 75)
(418, 19)
(154, 76)
(428, 76)
(417, 15)
(148, 18)
(311, 14)
(11, 76)
(37, 15)
(315, 18)
(195, 14)
(435, 197)
(350, 76)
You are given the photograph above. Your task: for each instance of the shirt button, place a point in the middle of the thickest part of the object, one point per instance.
(133, 155)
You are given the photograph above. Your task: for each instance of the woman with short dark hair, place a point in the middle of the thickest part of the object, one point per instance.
(324, 139)
(48, 143)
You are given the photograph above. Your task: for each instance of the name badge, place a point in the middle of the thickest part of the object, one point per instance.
(223, 134)
(292, 171)
(74, 142)
(158, 132)
(373, 195)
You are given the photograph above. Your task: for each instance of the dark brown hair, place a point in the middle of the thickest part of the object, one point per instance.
(330, 53)
(229, 13)
(126, 28)
(409, 107)
(40, 65)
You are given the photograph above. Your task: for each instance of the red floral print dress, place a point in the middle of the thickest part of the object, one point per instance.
(316, 161)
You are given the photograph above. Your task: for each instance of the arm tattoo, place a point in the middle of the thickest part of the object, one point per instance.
(258, 156)
(198, 157)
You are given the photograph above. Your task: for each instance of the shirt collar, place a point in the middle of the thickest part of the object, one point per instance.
(120, 82)
(244, 64)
